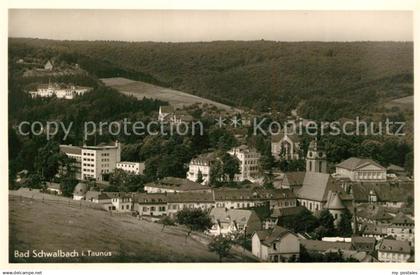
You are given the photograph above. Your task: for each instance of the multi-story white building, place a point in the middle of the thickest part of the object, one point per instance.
(136, 168)
(357, 169)
(249, 159)
(65, 92)
(94, 161)
(201, 164)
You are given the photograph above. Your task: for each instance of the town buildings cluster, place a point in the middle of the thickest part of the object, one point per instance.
(60, 91)
(383, 222)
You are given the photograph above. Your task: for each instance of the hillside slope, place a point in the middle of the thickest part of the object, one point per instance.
(36, 224)
(141, 89)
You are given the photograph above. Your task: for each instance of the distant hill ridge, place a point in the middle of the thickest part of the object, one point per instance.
(326, 80)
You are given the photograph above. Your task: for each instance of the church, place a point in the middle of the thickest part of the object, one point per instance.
(285, 146)
(319, 190)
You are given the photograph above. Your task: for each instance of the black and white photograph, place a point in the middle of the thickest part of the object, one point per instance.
(210, 136)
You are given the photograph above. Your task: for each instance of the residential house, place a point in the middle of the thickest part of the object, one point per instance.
(248, 162)
(377, 231)
(375, 214)
(231, 221)
(366, 244)
(136, 168)
(358, 169)
(201, 165)
(189, 200)
(275, 245)
(153, 205)
(401, 227)
(394, 251)
(324, 246)
(388, 194)
(122, 202)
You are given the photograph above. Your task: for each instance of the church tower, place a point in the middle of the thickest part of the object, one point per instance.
(316, 158)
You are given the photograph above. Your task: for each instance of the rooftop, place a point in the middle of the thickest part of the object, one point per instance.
(388, 245)
(316, 186)
(354, 163)
(269, 236)
(322, 246)
(178, 184)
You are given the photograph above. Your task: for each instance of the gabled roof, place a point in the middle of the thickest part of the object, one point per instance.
(204, 159)
(401, 218)
(150, 198)
(374, 229)
(334, 201)
(363, 243)
(395, 168)
(395, 246)
(323, 246)
(269, 236)
(293, 137)
(374, 212)
(238, 216)
(357, 163)
(189, 197)
(316, 186)
(385, 192)
(295, 178)
(245, 194)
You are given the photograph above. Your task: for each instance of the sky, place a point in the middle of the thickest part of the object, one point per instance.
(183, 26)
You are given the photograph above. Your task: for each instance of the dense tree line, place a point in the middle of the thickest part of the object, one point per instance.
(326, 80)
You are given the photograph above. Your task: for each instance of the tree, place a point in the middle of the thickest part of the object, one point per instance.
(327, 221)
(216, 174)
(344, 228)
(221, 245)
(34, 181)
(199, 177)
(125, 182)
(230, 166)
(302, 222)
(48, 159)
(166, 221)
(194, 220)
(67, 186)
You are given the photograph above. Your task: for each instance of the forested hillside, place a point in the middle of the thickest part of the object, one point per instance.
(324, 80)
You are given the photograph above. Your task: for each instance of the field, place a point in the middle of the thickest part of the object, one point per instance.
(175, 98)
(405, 103)
(51, 226)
